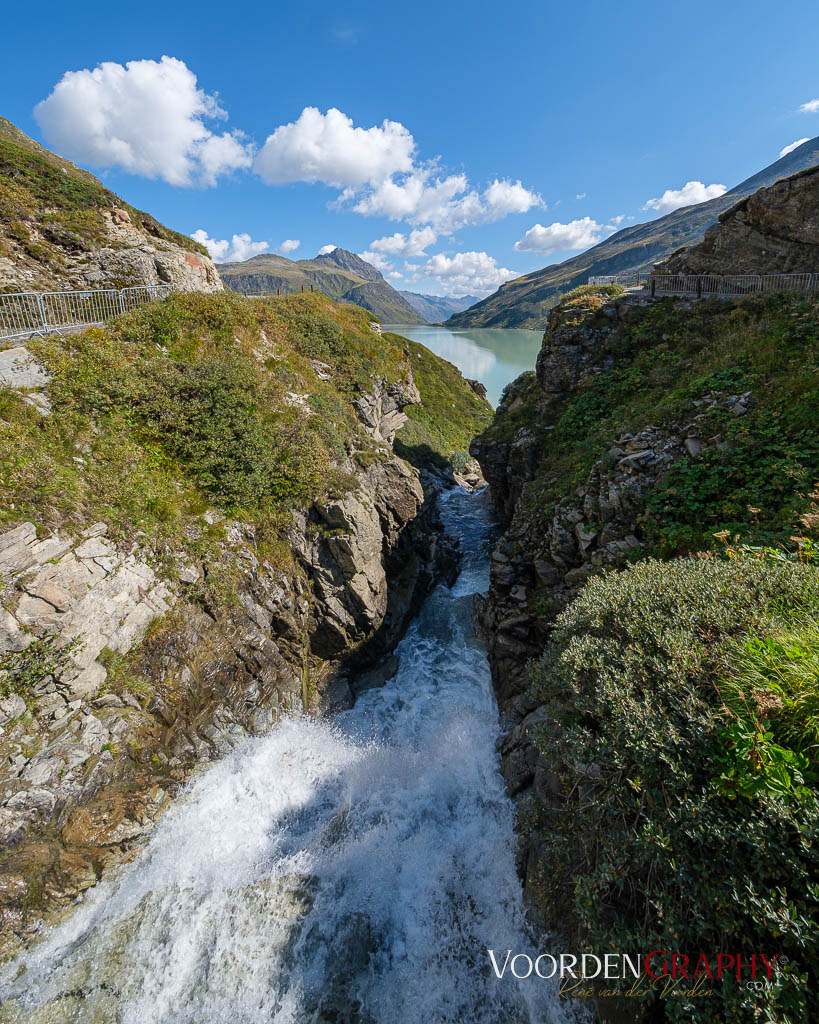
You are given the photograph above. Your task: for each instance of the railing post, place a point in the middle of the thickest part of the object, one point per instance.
(41, 309)
(121, 300)
(699, 287)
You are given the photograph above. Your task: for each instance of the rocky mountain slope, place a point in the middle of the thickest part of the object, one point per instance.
(60, 228)
(653, 430)
(203, 523)
(436, 308)
(526, 301)
(339, 274)
(773, 231)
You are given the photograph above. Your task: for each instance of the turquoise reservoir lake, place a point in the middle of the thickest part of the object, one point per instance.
(494, 356)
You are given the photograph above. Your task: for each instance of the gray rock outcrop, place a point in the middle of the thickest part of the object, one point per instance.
(545, 555)
(121, 677)
(126, 256)
(20, 370)
(773, 231)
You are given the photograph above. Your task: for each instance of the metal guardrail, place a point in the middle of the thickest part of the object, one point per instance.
(712, 284)
(23, 314)
(629, 280)
(731, 284)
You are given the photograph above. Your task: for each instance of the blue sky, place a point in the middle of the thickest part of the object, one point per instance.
(515, 135)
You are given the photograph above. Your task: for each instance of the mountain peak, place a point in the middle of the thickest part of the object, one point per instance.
(351, 262)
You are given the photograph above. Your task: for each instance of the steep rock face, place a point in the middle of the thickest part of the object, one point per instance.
(773, 231)
(381, 410)
(545, 556)
(60, 228)
(94, 753)
(124, 256)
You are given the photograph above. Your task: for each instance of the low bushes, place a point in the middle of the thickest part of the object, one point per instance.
(199, 401)
(682, 702)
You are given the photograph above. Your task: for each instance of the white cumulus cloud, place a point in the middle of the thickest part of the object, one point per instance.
(325, 249)
(331, 149)
(289, 245)
(147, 117)
(240, 247)
(811, 107)
(557, 237)
(691, 193)
(375, 259)
(444, 203)
(467, 273)
(504, 197)
(793, 145)
(376, 170)
(378, 173)
(407, 246)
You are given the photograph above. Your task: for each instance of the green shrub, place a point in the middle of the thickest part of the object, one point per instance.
(607, 291)
(772, 706)
(654, 368)
(21, 671)
(460, 461)
(662, 843)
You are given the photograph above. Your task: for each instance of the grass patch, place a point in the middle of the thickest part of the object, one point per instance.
(211, 401)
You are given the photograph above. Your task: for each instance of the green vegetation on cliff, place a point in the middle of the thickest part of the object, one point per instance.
(48, 204)
(681, 701)
(664, 364)
(212, 400)
(450, 415)
(675, 798)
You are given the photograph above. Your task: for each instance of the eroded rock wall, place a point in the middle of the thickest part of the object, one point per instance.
(126, 256)
(141, 676)
(773, 231)
(545, 556)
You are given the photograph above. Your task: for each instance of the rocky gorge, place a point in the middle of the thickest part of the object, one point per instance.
(257, 761)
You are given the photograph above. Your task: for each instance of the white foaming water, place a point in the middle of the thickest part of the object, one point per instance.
(353, 871)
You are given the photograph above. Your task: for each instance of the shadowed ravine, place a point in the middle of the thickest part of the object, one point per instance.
(347, 871)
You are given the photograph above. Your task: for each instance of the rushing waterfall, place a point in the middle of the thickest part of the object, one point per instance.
(345, 871)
